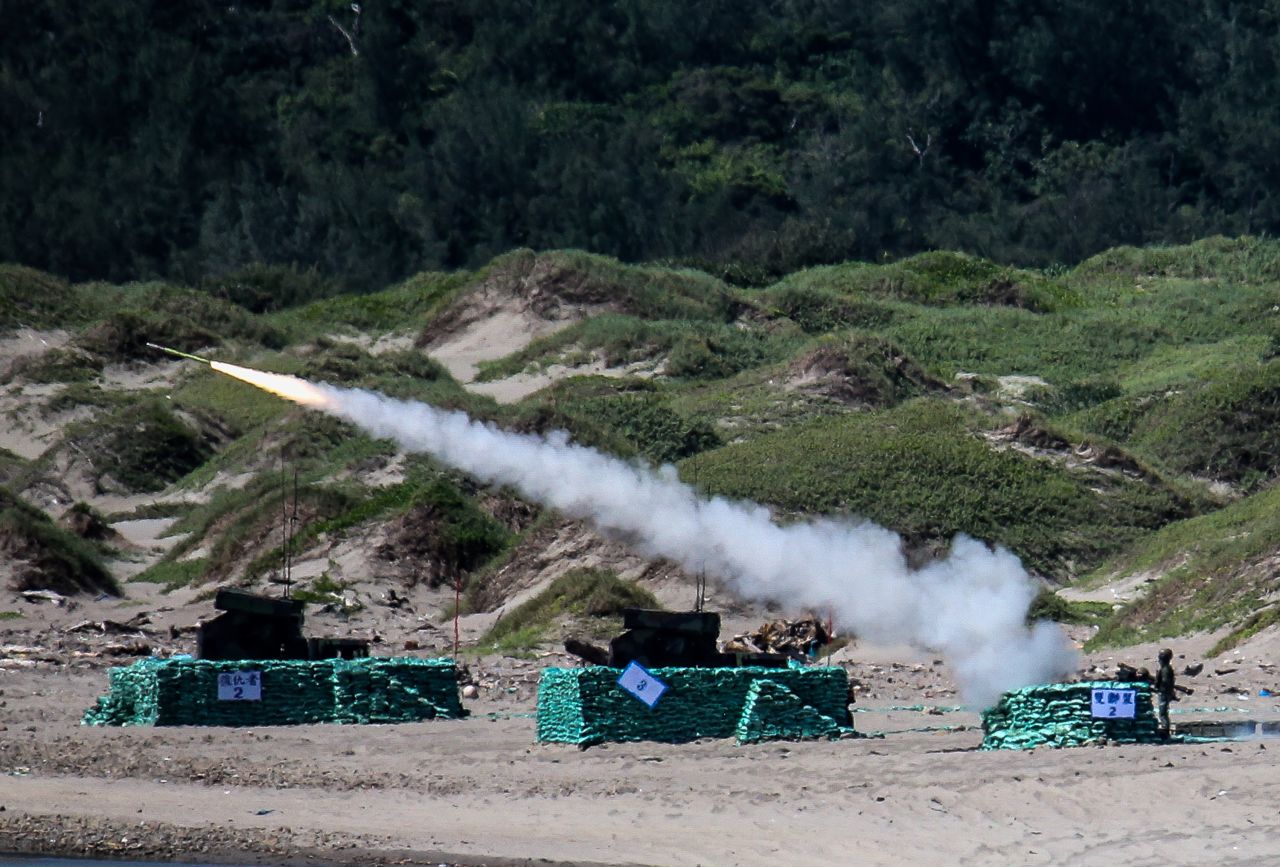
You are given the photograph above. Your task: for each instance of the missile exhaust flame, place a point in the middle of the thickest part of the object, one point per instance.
(289, 387)
(280, 384)
(970, 606)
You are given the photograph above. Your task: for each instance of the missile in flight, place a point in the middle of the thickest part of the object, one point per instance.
(180, 354)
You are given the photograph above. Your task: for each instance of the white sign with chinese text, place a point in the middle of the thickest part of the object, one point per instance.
(1114, 703)
(639, 682)
(240, 686)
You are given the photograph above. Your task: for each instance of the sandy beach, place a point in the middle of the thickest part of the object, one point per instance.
(481, 791)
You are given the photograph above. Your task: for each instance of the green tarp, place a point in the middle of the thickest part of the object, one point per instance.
(175, 692)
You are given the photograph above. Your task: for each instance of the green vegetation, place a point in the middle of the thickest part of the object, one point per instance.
(1213, 571)
(579, 593)
(405, 307)
(57, 365)
(1050, 606)
(174, 573)
(77, 395)
(642, 291)
(244, 528)
(817, 307)
(58, 560)
(633, 417)
(752, 403)
(142, 445)
(10, 615)
(185, 319)
(862, 369)
(933, 279)
(1226, 426)
(1098, 404)
(440, 527)
(168, 509)
(751, 139)
(921, 469)
(11, 467)
(1251, 626)
(321, 591)
(688, 349)
(33, 299)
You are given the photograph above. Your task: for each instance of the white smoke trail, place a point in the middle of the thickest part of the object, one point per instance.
(970, 606)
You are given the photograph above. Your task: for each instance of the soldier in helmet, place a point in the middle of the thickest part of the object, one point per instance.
(1164, 690)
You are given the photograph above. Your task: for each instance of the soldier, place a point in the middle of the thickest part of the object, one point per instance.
(1164, 690)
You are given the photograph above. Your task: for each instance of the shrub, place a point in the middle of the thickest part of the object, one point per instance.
(58, 560)
(578, 593)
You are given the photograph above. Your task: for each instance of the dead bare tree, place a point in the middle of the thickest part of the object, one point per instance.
(919, 151)
(352, 35)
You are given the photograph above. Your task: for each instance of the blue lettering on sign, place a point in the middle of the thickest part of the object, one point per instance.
(640, 683)
(1113, 704)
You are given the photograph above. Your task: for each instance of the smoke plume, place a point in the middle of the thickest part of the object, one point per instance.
(970, 606)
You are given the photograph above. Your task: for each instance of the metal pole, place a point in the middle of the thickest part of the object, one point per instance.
(457, 610)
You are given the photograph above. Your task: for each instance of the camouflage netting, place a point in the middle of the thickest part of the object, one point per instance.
(1060, 715)
(175, 692)
(586, 705)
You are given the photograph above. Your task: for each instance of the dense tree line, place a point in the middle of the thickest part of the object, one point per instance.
(366, 141)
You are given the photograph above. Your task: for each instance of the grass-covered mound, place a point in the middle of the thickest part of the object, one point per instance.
(43, 556)
(1225, 426)
(1244, 259)
(441, 531)
(581, 594)
(818, 307)
(861, 369)
(185, 319)
(1215, 570)
(138, 445)
(35, 299)
(626, 418)
(682, 348)
(579, 278)
(939, 279)
(436, 532)
(921, 469)
(56, 366)
(403, 308)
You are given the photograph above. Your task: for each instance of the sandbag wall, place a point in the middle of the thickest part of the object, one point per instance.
(587, 706)
(174, 692)
(1060, 715)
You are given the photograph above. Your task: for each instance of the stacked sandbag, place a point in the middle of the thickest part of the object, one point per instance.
(587, 706)
(1060, 715)
(371, 691)
(291, 692)
(132, 698)
(773, 712)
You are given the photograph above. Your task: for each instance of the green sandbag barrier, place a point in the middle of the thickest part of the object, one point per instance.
(586, 706)
(773, 712)
(176, 692)
(1060, 715)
